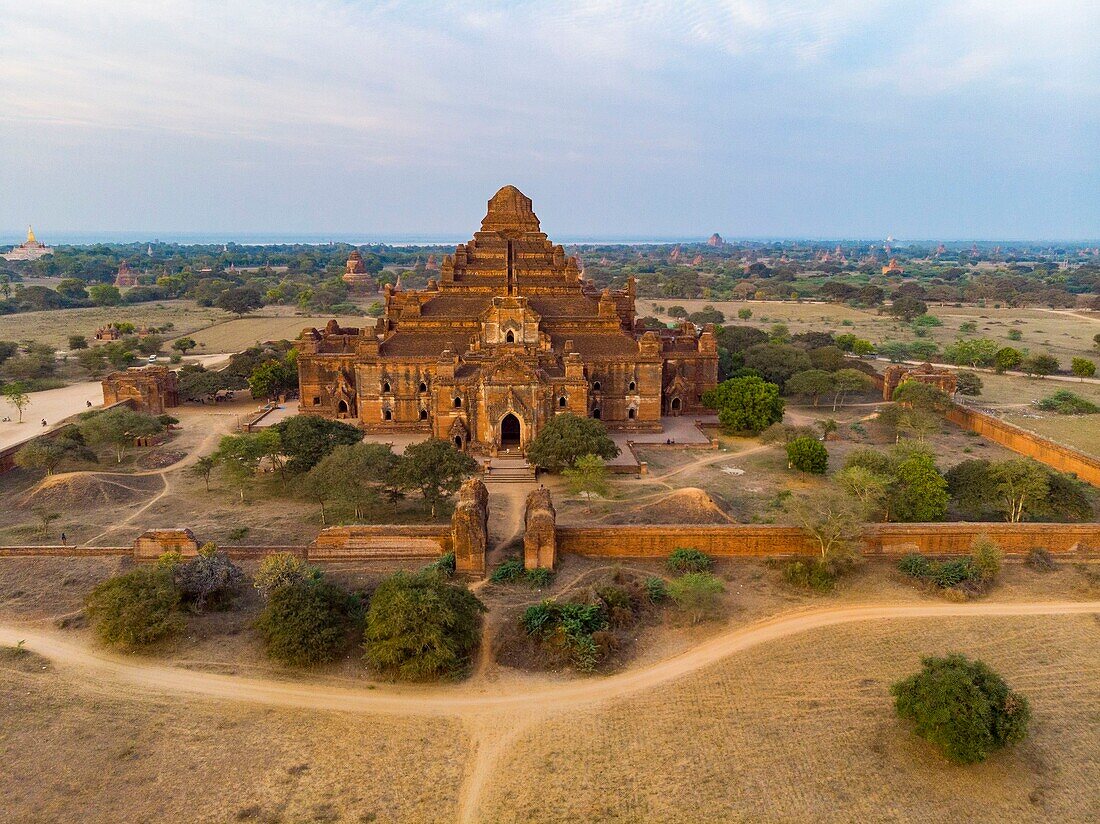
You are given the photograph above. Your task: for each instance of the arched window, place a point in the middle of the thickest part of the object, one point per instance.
(633, 386)
(631, 413)
(423, 414)
(423, 386)
(458, 403)
(342, 407)
(596, 412)
(387, 414)
(562, 401)
(386, 386)
(597, 386)
(510, 337)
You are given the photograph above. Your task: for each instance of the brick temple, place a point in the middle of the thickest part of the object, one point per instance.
(509, 336)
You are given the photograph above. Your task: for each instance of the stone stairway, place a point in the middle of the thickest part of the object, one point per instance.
(514, 470)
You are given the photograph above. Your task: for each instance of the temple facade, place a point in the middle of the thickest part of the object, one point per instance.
(509, 336)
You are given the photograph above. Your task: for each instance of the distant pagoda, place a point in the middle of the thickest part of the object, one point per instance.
(30, 250)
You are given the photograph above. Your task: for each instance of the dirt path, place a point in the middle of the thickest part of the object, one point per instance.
(494, 720)
(471, 698)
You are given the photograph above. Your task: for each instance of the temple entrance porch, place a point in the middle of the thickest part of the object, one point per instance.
(510, 432)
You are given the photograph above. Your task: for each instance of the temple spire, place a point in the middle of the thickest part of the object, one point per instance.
(30, 235)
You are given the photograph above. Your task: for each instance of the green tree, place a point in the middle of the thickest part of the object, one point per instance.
(1006, 358)
(306, 623)
(42, 453)
(971, 352)
(72, 289)
(204, 468)
(747, 404)
(777, 362)
(239, 457)
(846, 381)
(273, 377)
(908, 308)
(922, 396)
(895, 350)
(565, 438)
(283, 569)
(920, 491)
(831, 519)
(15, 393)
(239, 300)
(1019, 486)
(870, 489)
(1039, 364)
(184, 345)
(587, 476)
(807, 455)
(744, 313)
(306, 439)
(968, 383)
(77, 342)
(209, 580)
(135, 609)
(353, 476)
(434, 468)
(105, 294)
(420, 626)
(1083, 368)
(118, 428)
(962, 707)
(811, 383)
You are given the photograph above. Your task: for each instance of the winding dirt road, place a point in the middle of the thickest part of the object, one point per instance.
(472, 698)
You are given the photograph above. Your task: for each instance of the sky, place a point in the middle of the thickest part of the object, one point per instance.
(926, 119)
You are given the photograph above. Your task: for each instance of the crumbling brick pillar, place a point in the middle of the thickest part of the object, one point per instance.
(540, 531)
(470, 528)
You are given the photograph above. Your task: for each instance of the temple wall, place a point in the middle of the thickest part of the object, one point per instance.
(758, 540)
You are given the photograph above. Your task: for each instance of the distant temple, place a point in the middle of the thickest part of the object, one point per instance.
(29, 250)
(125, 276)
(716, 240)
(892, 268)
(355, 273)
(509, 337)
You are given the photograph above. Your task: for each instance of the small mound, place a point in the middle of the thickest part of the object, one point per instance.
(689, 505)
(76, 489)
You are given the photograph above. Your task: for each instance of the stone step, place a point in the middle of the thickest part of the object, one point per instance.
(510, 470)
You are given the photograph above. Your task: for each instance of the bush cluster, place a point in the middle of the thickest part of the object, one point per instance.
(811, 573)
(568, 627)
(142, 606)
(963, 707)
(511, 571)
(686, 559)
(970, 575)
(306, 622)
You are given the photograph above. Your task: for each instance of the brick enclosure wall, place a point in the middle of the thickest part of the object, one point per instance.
(762, 540)
(1027, 443)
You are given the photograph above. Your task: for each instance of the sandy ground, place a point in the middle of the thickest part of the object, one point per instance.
(53, 404)
(783, 719)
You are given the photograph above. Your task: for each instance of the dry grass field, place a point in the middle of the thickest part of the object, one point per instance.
(1062, 333)
(54, 327)
(240, 333)
(803, 730)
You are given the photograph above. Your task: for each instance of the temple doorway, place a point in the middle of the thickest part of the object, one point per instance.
(342, 407)
(509, 432)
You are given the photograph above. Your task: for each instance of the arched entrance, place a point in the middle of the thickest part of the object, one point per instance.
(675, 406)
(342, 408)
(509, 432)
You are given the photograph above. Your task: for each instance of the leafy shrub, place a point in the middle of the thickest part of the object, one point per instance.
(963, 707)
(946, 574)
(689, 560)
(985, 559)
(209, 579)
(283, 569)
(808, 455)
(305, 623)
(137, 608)
(697, 594)
(507, 571)
(539, 577)
(445, 564)
(810, 573)
(421, 626)
(656, 589)
(915, 565)
(1064, 402)
(570, 627)
(1041, 560)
